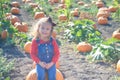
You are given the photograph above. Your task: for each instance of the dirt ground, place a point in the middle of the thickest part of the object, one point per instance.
(73, 65)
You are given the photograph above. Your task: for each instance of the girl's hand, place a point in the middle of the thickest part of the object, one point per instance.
(42, 64)
(48, 65)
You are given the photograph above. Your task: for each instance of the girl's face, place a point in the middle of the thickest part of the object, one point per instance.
(45, 30)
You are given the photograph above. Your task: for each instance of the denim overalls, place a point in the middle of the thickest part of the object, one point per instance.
(45, 53)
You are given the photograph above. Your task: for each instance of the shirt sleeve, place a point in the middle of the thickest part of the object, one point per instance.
(56, 51)
(34, 51)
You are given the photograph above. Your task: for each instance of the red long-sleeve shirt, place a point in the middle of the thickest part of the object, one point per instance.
(34, 51)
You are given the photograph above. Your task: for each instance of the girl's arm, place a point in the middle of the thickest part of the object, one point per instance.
(56, 51)
(34, 51)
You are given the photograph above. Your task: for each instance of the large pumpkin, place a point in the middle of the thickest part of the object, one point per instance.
(33, 76)
(116, 34)
(118, 66)
(57, 65)
(27, 47)
(84, 47)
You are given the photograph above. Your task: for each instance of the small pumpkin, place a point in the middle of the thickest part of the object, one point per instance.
(39, 15)
(102, 20)
(75, 13)
(118, 66)
(103, 14)
(24, 27)
(84, 47)
(18, 26)
(15, 4)
(81, 3)
(26, 1)
(14, 19)
(63, 6)
(62, 1)
(99, 4)
(112, 9)
(56, 1)
(15, 10)
(62, 17)
(103, 9)
(32, 75)
(27, 47)
(33, 5)
(4, 34)
(116, 34)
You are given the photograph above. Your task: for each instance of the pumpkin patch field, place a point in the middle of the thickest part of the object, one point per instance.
(87, 32)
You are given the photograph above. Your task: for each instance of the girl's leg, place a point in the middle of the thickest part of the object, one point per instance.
(52, 73)
(40, 72)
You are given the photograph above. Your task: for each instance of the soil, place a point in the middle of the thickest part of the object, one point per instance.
(73, 65)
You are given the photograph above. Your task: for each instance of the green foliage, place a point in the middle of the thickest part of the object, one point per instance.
(105, 51)
(5, 67)
(82, 30)
(116, 15)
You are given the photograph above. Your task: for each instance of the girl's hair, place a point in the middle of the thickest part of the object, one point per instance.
(36, 33)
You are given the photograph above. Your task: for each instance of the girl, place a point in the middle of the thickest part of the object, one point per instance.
(44, 49)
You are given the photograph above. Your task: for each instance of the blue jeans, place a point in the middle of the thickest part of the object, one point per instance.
(42, 71)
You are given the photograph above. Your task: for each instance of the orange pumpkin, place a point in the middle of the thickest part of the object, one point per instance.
(33, 76)
(15, 4)
(24, 27)
(99, 4)
(18, 26)
(63, 6)
(4, 34)
(62, 17)
(14, 19)
(103, 14)
(81, 3)
(33, 5)
(57, 65)
(26, 1)
(56, 1)
(15, 10)
(103, 9)
(118, 66)
(39, 15)
(27, 47)
(62, 1)
(112, 9)
(102, 20)
(75, 13)
(116, 34)
(84, 47)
